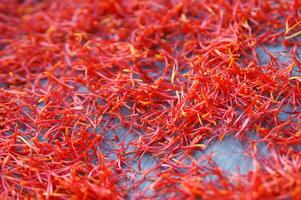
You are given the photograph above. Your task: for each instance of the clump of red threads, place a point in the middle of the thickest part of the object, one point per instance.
(90, 91)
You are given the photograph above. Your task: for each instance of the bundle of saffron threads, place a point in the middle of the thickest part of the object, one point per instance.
(164, 99)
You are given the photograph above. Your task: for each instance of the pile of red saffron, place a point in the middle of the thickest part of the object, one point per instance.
(121, 99)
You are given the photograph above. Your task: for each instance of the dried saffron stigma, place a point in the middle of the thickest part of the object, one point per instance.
(163, 99)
